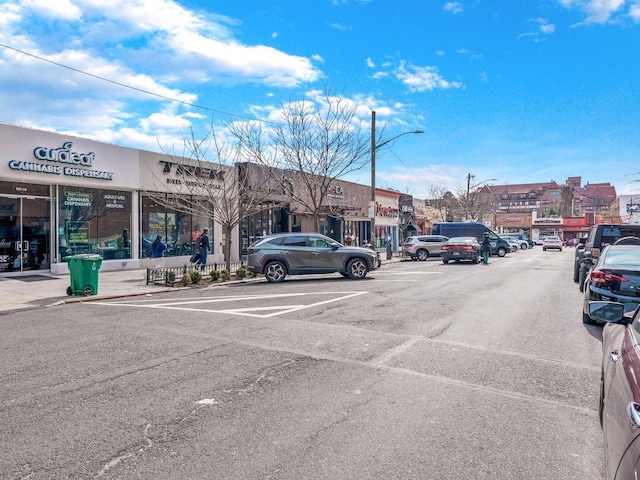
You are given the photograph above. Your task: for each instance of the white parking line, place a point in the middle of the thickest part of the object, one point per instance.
(250, 311)
(412, 273)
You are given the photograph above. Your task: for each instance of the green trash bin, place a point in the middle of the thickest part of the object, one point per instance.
(83, 271)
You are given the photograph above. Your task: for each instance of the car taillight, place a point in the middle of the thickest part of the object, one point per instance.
(408, 244)
(600, 277)
(444, 247)
(468, 247)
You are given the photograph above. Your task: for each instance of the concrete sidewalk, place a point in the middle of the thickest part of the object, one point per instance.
(34, 289)
(40, 289)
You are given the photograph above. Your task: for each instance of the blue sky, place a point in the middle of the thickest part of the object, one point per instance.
(517, 90)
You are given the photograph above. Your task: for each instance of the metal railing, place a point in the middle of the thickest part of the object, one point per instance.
(171, 275)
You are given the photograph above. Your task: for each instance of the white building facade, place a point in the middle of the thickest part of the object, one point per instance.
(63, 195)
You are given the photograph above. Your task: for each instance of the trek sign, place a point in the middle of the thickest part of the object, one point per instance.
(61, 161)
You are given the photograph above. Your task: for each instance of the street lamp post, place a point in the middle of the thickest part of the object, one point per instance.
(469, 187)
(374, 147)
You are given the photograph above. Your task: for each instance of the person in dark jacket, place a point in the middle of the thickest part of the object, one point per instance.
(204, 248)
(485, 249)
(158, 250)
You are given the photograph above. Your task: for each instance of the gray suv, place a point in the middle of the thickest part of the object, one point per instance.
(421, 247)
(282, 254)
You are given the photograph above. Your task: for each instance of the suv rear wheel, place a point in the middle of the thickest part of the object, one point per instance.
(275, 272)
(582, 276)
(422, 255)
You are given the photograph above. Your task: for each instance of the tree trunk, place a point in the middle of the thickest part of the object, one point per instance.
(227, 247)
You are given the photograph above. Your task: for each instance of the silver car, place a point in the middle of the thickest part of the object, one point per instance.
(551, 242)
(421, 247)
(282, 254)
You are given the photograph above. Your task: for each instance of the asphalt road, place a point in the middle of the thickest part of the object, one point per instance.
(420, 371)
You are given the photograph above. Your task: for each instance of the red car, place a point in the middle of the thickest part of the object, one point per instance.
(461, 248)
(619, 388)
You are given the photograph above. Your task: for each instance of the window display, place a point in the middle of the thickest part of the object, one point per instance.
(180, 230)
(94, 220)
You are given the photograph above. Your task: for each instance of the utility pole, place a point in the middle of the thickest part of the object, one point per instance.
(372, 234)
(374, 147)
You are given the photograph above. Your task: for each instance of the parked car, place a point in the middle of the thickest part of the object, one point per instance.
(422, 247)
(615, 277)
(279, 255)
(599, 236)
(514, 242)
(551, 242)
(524, 237)
(461, 248)
(572, 242)
(619, 404)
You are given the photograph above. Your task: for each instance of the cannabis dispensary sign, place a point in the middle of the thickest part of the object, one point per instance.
(61, 161)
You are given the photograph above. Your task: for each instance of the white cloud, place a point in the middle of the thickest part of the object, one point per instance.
(597, 11)
(370, 63)
(545, 28)
(418, 180)
(61, 9)
(339, 26)
(421, 79)
(193, 42)
(634, 11)
(548, 28)
(453, 7)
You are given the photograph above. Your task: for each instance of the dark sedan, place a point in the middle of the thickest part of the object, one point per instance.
(615, 277)
(619, 389)
(461, 248)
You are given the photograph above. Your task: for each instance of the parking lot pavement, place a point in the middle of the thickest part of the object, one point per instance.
(35, 290)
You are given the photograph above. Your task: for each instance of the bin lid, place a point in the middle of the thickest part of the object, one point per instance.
(83, 256)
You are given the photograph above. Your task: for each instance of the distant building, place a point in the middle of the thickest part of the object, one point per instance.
(516, 206)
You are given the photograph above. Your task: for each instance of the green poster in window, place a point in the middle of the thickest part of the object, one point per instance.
(77, 233)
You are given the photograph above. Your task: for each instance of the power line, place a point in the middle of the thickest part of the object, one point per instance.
(194, 105)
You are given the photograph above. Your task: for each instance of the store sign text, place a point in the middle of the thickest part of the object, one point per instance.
(335, 191)
(191, 171)
(62, 155)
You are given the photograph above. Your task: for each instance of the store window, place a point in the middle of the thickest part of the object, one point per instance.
(92, 220)
(179, 230)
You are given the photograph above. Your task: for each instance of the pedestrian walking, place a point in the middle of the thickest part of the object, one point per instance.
(486, 249)
(158, 251)
(204, 248)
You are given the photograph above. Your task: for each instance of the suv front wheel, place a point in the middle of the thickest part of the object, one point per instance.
(501, 252)
(357, 268)
(275, 272)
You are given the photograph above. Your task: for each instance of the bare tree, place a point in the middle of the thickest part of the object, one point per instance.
(209, 181)
(314, 144)
(443, 201)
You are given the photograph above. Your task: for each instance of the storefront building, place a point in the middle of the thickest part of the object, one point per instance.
(62, 195)
(343, 217)
(514, 222)
(387, 218)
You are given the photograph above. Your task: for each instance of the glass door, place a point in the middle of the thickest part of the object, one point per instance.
(24, 234)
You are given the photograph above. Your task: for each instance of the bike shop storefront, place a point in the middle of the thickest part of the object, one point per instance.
(25, 227)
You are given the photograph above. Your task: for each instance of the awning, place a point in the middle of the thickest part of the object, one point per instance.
(412, 226)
